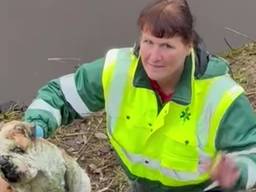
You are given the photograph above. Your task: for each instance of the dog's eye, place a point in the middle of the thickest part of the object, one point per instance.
(17, 150)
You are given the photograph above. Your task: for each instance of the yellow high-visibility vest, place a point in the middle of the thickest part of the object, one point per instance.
(170, 146)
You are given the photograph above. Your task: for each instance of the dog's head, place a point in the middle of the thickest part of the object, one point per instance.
(33, 165)
(15, 138)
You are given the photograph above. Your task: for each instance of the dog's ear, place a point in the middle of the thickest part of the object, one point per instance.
(18, 131)
(17, 127)
(25, 129)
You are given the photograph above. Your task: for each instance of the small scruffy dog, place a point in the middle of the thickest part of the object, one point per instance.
(36, 165)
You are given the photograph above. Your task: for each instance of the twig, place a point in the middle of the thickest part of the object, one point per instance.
(228, 44)
(73, 134)
(251, 93)
(239, 33)
(84, 147)
(61, 59)
(65, 60)
(106, 188)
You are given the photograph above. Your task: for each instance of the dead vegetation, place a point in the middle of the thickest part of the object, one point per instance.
(86, 140)
(243, 67)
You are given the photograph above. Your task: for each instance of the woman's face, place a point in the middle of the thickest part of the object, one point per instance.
(162, 58)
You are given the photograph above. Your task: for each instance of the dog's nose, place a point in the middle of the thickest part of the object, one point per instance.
(9, 169)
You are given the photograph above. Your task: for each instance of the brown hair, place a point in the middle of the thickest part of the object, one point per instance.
(167, 18)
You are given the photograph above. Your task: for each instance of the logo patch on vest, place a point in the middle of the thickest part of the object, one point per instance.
(185, 115)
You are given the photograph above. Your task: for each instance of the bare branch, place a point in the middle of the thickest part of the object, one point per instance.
(239, 33)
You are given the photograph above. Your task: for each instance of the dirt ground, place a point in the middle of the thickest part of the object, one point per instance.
(86, 139)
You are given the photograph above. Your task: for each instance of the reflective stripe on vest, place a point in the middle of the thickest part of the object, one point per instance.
(251, 167)
(241, 157)
(154, 164)
(119, 66)
(214, 96)
(115, 91)
(68, 87)
(39, 104)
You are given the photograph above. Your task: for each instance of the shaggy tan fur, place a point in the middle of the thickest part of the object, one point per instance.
(36, 165)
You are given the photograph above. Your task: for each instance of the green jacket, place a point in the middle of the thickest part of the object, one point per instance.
(237, 131)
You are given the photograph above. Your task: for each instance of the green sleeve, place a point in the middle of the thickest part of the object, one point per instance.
(237, 137)
(51, 102)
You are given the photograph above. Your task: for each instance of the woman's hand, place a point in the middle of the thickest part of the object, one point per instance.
(224, 171)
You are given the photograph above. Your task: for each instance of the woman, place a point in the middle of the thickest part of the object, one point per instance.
(175, 118)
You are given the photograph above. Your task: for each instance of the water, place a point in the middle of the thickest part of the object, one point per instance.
(35, 34)
(213, 17)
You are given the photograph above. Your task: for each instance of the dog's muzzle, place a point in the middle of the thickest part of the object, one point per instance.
(8, 169)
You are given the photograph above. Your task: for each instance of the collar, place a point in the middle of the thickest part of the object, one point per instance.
(183, 92)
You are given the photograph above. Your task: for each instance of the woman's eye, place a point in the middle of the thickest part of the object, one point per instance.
(167, 46)
(147, 42)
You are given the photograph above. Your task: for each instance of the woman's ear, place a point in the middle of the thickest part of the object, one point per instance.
(136, 48)
(189, 48)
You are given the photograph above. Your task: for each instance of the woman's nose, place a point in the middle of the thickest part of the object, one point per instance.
(155, 54)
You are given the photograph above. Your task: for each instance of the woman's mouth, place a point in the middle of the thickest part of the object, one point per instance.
(156, 66)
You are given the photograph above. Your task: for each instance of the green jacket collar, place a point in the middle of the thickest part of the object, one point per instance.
(183, 90)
